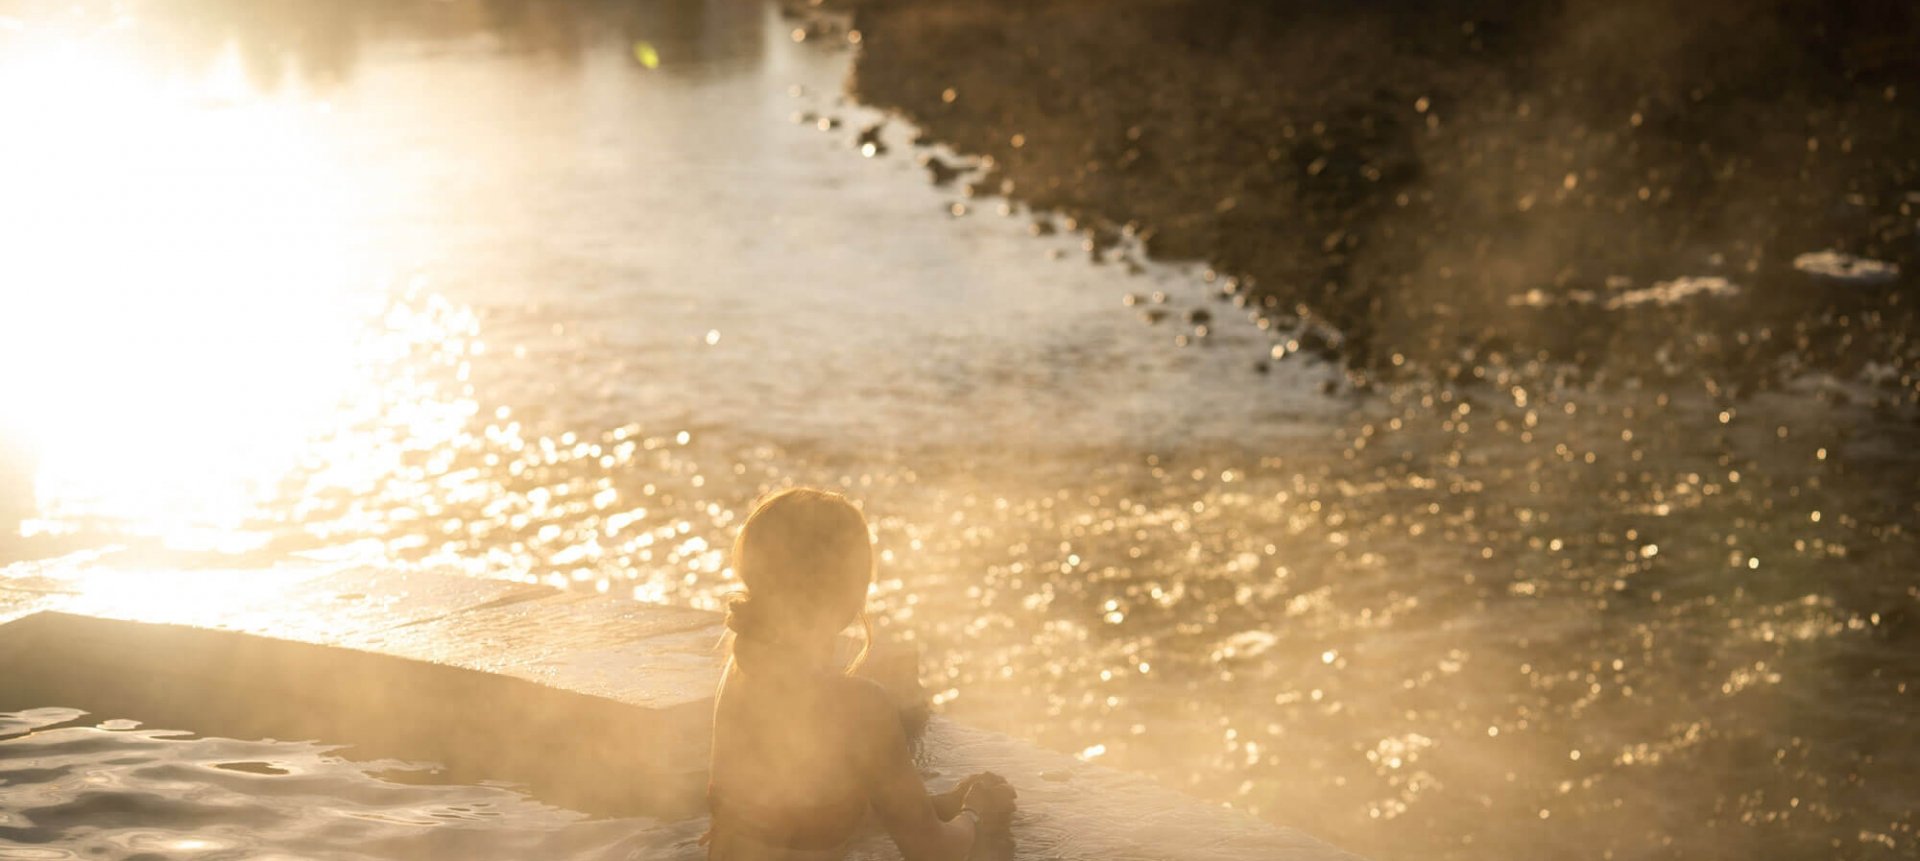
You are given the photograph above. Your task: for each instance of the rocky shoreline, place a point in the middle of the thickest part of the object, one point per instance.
(1447, 187)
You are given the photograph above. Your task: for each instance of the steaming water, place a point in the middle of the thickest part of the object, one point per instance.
(75, 787)
(488, 294)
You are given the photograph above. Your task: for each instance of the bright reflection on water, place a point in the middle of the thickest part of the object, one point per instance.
(177, 266)
(481, 291)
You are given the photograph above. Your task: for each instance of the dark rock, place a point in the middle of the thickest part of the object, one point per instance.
(943, 173)
(1313, 340)
(1103, 236)
(869, 142)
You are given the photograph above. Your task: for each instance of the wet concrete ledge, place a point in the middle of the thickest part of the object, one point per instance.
(593, 703)
(480, 725)
(495, 680)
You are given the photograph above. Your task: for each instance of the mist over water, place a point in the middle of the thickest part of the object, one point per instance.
(474, 288)
(79, 786)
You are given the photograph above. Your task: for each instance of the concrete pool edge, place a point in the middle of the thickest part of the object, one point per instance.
(479, 726)
(529, 702)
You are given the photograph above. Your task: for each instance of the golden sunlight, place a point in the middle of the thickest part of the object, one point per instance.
(174, 289)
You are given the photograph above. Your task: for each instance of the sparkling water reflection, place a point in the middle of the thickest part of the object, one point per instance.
(514, 302)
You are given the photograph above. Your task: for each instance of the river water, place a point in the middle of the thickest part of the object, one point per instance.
(553, 291)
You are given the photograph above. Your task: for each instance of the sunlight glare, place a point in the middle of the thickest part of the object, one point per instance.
(173, 320)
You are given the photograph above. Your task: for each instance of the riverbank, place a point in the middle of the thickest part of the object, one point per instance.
(1446, 183)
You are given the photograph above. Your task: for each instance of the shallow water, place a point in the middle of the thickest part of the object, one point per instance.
(74, 786)
(488, 294)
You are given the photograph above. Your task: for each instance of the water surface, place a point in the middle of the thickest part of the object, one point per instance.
(74, 786)
(475, 288)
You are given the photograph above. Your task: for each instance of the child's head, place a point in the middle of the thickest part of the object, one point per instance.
(806, 560)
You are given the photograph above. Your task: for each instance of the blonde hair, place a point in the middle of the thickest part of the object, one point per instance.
(806, 560)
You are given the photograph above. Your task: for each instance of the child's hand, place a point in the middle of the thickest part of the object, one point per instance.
(990, 796)
(946, 805)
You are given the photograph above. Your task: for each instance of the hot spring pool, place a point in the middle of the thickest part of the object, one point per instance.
(74, 785)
